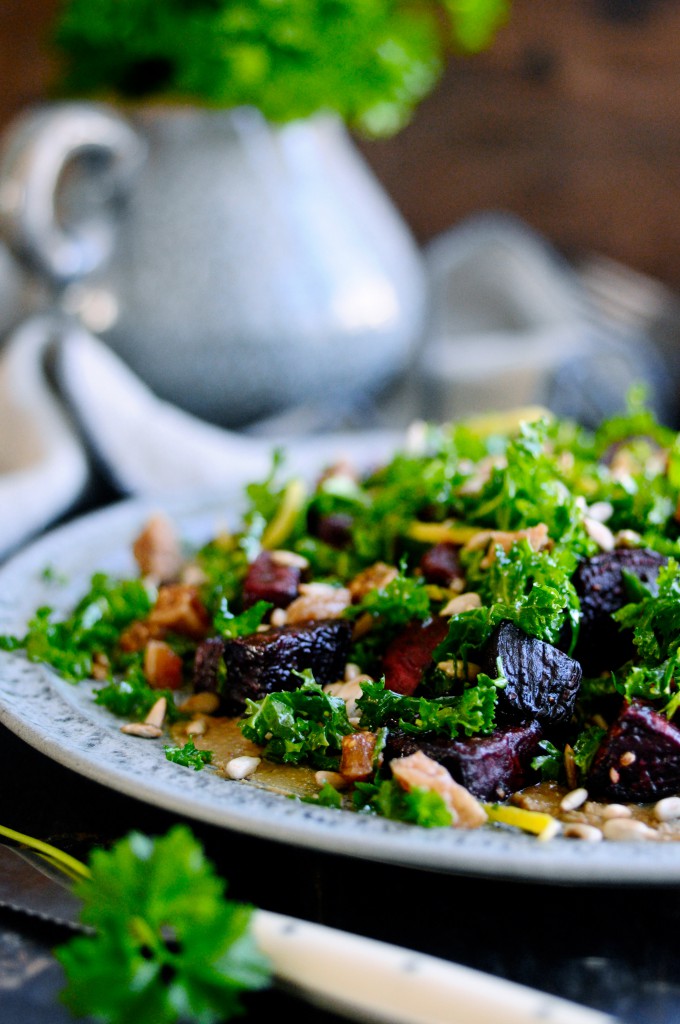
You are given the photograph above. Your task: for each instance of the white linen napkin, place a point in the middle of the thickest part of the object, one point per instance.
(509, 325)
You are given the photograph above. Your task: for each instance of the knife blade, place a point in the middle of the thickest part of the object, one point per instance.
(360, 978)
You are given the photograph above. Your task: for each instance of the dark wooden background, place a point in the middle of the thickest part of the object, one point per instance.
(571, 121)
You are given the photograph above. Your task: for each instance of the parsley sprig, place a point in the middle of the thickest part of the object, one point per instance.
(163, 942)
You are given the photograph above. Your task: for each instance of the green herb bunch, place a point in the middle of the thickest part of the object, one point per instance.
(369, 61)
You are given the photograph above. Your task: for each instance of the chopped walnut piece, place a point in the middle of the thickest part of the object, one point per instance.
(179, 609)
(136, 636)
(357, 757)
(157, 550)
(318, 601)
(374, 577)
(422, 772)
(162, 667)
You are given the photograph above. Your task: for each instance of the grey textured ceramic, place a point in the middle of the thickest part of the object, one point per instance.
(239, 269)
(62, 721)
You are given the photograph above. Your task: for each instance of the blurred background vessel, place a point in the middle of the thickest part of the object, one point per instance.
(569, 124)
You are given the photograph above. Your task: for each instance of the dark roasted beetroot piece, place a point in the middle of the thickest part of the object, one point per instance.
(207, 662)
(269, 580)
(638, 760)
(543, 682)
(409, 655)
(601, 588)
(264, 662)
(441, 564)
(334, 529)
(491, 767)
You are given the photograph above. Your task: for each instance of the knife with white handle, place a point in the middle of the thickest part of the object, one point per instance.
(368, 980)
(362, 979)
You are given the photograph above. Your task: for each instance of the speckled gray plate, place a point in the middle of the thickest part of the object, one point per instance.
(62, 721)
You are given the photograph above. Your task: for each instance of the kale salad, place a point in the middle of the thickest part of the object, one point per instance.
(481, 632)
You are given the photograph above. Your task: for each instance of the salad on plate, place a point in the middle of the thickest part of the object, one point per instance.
(481, 632)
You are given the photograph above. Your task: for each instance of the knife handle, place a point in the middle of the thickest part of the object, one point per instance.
(369, 980)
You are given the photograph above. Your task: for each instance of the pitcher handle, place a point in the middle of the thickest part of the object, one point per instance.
(36, 150)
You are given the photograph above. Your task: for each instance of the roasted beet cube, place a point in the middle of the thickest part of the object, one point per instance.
(543, 682)
(601, 588)
(490, 767)
(269, 579)
(265, 662)
(207, 663)
(638, 760)
(409, 655)
(334, 528)
(441, 564)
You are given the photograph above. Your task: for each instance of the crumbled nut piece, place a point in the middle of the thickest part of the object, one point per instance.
(318, 601)
(419, 770)
(357, 759)
(179, 609)
(204, 703)
(157, 550)
(375, 577)
(162, 666)
(100, 666)
(333, 779)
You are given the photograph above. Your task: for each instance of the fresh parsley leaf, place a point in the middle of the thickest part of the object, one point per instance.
(167, 946)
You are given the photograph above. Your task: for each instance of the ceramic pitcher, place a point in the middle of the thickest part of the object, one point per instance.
(240, 269)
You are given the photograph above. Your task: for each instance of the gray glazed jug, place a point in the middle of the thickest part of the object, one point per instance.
(240, 269)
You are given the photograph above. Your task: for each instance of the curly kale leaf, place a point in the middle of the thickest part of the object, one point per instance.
(527, 490)
(189, 755)
(388, 799)
(655, 620)
(94, 626)
(532, 589)
(131, 697)
(303, 726)
(471, 712)
(401, 601)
